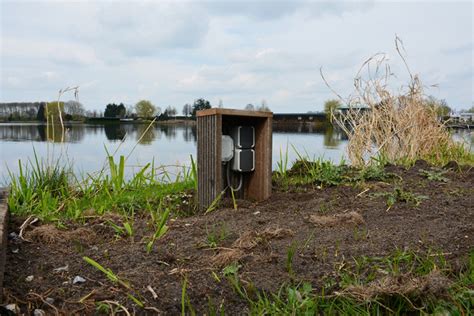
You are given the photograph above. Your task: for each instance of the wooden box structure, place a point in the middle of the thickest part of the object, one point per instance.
(211, 125)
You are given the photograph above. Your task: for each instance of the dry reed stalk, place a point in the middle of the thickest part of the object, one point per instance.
(398, 125)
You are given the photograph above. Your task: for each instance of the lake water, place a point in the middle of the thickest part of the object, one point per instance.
(85, 145)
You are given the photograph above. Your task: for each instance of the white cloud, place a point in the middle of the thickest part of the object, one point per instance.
(238, 51)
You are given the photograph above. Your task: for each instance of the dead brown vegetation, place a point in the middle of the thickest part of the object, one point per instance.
(49, 234)
(408, 285)
(248, 240)
(394, 123)
(350, 218)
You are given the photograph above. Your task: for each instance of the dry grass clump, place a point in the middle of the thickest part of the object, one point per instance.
(250, 239)
(398, 126)
(227, 256)
(247, 241)
(406, 285)
(351, 218)
(50, 234)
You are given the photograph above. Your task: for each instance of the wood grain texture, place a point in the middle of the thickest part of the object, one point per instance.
(260, 182)
(208, 159)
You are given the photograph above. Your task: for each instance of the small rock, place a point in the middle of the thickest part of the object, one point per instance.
(78, 279)
(29, 278)
(62, 269)
(39, 312)
(50, 300)
(16, 250)
(95, 248)
(256, 213)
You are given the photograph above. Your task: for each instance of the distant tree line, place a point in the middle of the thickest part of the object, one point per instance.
(22, 111)
(41, 111)
(74, 110)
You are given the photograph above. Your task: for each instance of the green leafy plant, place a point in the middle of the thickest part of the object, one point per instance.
(108, 273)
(126, 229)
(361, 274)
(216, 235)
(373, 172)
(51, 192)
(434, 174)
(234, 201)
(400, 195)
(114, 278)
(185, 301)
(282, 164)
(215, 204)
(232, 275)
(161, 229)
(290, 254)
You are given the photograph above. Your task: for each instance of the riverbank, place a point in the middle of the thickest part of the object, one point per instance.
(375, 240)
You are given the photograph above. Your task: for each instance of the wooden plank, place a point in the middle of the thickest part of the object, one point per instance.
(208, 159)
(218, 163)
(260, 182)
(234, 112)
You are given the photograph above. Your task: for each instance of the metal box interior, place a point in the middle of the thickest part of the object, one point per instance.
(211, 125)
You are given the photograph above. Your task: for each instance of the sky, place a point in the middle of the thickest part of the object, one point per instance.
(240, 52)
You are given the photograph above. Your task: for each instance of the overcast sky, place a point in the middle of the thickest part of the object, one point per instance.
(238, 51)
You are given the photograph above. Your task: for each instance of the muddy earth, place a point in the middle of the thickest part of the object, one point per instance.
(326, 226)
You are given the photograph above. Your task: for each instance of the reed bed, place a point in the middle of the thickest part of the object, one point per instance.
(396, 125)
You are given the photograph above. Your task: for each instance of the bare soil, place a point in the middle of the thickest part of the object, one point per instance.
(327, 226)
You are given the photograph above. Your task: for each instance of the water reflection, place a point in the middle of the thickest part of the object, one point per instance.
(166, 144)
(145, 134)
(114, 132)
(332, 136)
(41, 133)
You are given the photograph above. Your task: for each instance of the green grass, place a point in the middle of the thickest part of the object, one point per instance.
(52, 192)
(336, 296)
(216, 235)
(160, 230)
(115, 279)
(319, 173)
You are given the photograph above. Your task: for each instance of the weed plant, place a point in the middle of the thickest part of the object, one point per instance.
(115, 279)
(401, 195)
(434, 174)
(216, 235)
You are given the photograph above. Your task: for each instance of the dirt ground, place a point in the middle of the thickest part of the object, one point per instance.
(327, 226)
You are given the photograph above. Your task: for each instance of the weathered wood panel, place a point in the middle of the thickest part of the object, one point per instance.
(260, 182)
(208, 159)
